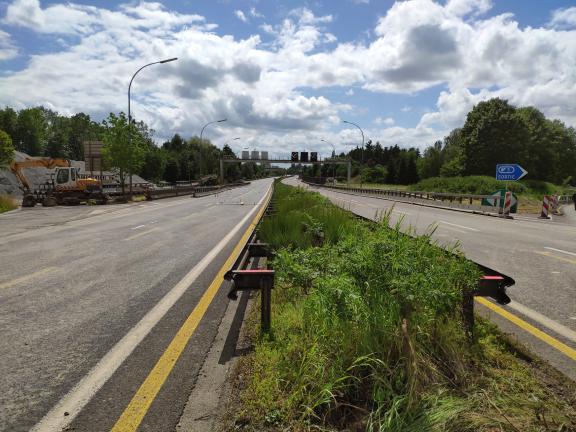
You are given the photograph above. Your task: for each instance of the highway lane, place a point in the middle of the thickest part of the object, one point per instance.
(539, 255)
(75, 281)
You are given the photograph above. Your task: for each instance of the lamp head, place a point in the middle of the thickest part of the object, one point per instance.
(169, 60)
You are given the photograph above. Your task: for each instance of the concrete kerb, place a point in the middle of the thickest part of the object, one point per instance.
(461, 210)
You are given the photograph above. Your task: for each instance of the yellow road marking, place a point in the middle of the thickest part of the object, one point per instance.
(141, 401)
(549, 254)
(27, 277)
(565, 349)
(140, 234)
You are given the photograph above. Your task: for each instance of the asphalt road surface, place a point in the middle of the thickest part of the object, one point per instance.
(539, 254)
(90, 297)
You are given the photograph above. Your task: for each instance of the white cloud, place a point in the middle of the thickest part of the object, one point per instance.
(259, 86)
(388, 121)
(564, 18)
(255, 14)
(465, 7)
(8, 49)
(240, 15)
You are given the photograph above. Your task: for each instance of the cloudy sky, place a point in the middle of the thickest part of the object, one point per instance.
(286, 73)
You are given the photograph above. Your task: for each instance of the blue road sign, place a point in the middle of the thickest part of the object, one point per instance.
(510, 172)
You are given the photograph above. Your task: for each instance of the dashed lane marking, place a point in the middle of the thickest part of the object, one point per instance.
(138, 227)
(141, 234)
(460, 226)
(544, 337)
(27, 277)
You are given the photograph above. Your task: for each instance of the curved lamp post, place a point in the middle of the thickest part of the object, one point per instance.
(362, 132)
(200, 152)
(130, 114)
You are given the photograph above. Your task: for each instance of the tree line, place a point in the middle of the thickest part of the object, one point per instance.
(128, 149)
(494, 132)
(497, 132)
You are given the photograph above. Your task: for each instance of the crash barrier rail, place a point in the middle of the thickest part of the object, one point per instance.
(492, 284)
(173, 191)
(461, 201)
(251, 272)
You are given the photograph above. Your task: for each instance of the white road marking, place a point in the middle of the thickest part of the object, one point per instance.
(401, 212)
(555, 272)
(456, 229)
(141, 234)
(561, 251)
(138, 227)
(460, 226)
(66, 410)
(545, 321)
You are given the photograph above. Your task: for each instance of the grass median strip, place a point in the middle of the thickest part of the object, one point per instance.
(367, 335)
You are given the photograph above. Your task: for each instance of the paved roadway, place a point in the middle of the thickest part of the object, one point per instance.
(75, 284)
(539, 254)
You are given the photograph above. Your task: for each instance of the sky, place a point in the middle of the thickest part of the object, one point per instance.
(287, 73)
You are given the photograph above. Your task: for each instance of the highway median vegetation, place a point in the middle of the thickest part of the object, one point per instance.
(367, 335)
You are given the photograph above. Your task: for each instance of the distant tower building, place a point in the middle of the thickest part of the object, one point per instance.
(245, 154)
(255, 154)
(264, 155)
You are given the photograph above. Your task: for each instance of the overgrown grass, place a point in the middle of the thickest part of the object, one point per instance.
(367, 336)
(484, 185)
(305, 219)
(7, 203)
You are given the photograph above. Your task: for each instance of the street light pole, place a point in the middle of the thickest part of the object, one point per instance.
(130, 114)
(362, 132)
(200, 152)
(333, 166)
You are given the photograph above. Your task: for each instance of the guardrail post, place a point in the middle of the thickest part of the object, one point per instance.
(265, 299)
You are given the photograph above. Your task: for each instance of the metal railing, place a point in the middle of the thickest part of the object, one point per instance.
(195, 191)
(473, 202)
(251, 272)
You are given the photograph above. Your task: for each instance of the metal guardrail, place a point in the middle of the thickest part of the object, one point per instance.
(451, 200)
(251, 272)
(174, 191)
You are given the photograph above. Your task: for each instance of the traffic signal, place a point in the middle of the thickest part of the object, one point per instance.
(303, 156)
(294, 157)
(313, 157)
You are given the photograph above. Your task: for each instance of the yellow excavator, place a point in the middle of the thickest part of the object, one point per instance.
(66, 185)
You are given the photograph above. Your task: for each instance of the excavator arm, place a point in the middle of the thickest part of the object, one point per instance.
(17, 166)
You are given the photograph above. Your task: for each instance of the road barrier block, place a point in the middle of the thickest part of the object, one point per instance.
(545, 208)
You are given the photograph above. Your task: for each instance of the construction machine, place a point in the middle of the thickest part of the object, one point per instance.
(65, 186)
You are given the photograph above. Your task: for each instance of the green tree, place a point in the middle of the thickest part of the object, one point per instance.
(31, 131)
(154, 164)
(6, 149)
(9, 121)
(493, 133)
(124, 147)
